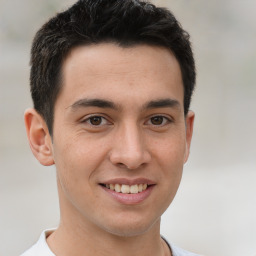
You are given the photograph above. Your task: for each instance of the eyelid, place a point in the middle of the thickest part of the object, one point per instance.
(168, 119)
(86, 119)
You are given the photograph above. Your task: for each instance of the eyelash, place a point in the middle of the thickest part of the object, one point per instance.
(165, 120)
(89, 120)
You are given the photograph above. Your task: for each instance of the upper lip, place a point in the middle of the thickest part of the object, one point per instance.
(129, 182)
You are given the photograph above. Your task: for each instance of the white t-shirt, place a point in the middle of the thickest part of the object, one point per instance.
(41, 248)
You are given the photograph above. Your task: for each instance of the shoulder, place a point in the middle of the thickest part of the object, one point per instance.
(40, 248)
(176, 251)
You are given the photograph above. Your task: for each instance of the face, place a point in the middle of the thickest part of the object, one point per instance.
(120, 137)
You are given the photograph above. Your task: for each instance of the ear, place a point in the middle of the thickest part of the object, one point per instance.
(189, 119)
(38, 137)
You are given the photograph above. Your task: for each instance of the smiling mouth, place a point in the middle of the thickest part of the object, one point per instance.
(126, 189)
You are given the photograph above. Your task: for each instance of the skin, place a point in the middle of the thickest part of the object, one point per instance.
(139, 131)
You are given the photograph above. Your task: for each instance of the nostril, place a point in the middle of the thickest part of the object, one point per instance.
(129, 157)
(121, 165)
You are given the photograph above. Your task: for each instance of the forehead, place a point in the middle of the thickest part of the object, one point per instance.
(109, 70)
(101, 55)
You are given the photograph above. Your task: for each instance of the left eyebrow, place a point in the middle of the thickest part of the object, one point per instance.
(162, 103)
(83, 103)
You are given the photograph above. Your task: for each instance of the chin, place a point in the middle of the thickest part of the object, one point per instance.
(127, 232)
(131, 229)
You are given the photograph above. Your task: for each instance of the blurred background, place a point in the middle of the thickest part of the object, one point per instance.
(214, 212)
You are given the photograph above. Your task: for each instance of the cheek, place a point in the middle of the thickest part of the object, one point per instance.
(76, 159)
(169, 156)
(76, 164)
(170, 151)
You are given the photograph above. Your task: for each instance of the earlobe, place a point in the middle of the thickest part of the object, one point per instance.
(189, 132)
(38, 137)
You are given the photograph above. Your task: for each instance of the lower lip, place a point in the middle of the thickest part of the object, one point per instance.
(130, 198)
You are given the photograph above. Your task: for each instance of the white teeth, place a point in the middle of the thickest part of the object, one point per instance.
(126, 189)
(117, 188)
(134, 189)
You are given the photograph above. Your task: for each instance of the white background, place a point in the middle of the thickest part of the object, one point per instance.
(214, 212)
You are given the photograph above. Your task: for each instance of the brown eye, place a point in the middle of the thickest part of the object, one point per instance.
(157, 120)
(95, 120)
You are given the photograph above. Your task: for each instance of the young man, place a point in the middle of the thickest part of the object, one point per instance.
(111, 82)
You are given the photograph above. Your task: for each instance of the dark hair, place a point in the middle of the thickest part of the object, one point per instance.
(124, 22)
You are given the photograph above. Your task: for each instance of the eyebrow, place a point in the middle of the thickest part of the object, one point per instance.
(101, 103)
(162, 103)
(94, 103)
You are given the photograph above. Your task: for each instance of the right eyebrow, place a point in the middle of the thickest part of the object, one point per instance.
(100, 103)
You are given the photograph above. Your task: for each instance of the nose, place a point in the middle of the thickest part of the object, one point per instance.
(129, 149)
